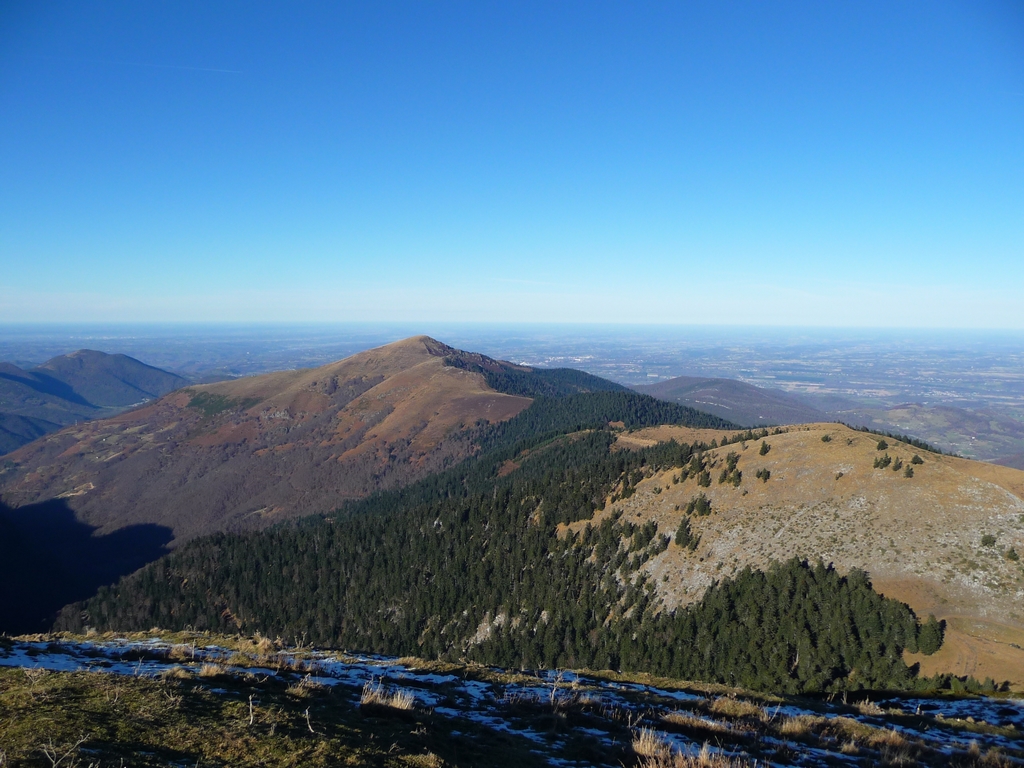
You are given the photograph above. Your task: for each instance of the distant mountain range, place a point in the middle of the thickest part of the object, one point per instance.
(71, 388)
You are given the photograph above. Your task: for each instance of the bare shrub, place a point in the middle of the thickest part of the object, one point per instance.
(63, 756)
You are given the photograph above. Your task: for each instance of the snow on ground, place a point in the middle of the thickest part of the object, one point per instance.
(511, 705)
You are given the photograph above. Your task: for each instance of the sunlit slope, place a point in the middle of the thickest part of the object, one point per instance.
(249, 452)
(943, 540)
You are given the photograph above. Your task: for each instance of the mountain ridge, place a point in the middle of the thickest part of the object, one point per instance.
(66, 389)
(249, 452)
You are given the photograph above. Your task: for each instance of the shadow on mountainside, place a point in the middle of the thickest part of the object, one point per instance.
(49, 559)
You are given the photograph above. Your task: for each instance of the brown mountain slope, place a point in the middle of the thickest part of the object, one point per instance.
(942, 540)
(250, 452)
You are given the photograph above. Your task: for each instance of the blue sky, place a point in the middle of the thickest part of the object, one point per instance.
(815, 164)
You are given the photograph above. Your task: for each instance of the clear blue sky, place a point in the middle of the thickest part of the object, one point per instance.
(822, 163)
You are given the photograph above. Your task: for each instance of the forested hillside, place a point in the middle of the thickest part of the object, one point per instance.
(472, 563)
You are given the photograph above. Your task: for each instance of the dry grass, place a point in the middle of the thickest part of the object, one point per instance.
(378, 696)
(850, 748)
(800, 726)
(993, 758)
(733, 707)
(307, 686)
(849, 729)
(176, 673)
(429, 760)
(648, 743)
(693, 722)
(212, 670)
(868, 707)
(893, 747)
(897, 756)
(181, 653)
(703, 759)
(888, 738)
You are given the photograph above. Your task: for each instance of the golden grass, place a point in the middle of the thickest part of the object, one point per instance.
(306, 686)
(429, 760)
(378, 696)
(181, 653)
(212, 670)
(689, 720)
(733, 707)
(264, 645)
(176, 673)
(888, 738)
(800, 726)
(648, 743)
(703, 759)
(868, 707)
(850, 748)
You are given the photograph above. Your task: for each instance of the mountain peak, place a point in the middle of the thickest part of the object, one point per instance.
(259, 449)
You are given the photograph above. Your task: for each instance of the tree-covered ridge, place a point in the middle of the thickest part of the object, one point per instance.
(530, 382)
(547, 417)
(467, 564)
(902, 438)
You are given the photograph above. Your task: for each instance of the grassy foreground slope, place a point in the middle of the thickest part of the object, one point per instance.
(159, 699)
